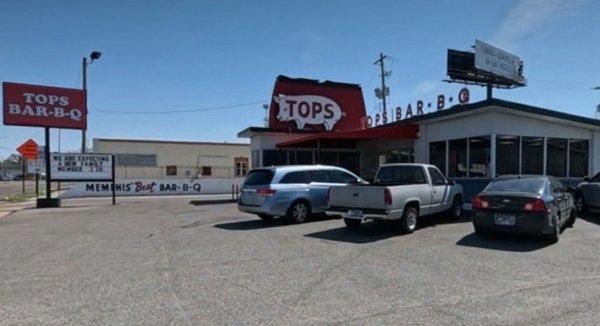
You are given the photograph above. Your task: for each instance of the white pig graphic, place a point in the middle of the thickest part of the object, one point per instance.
(308, 109)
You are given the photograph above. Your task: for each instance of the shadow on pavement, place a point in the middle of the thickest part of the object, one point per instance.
(260, 224)
(441, 219)
(590, 217)
(504, 242)
(368, 232)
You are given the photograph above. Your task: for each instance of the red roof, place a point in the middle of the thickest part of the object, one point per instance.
(392, 132)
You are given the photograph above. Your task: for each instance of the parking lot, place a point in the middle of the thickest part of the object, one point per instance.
(161, 260)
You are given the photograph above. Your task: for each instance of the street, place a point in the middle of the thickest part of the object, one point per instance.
(163, 261)
(11, 188)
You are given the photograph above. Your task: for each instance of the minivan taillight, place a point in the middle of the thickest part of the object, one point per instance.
(265, 192)
(387, 196)
(480, 202)
(537, 205)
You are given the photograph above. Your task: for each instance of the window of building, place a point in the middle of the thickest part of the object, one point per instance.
(171, 170)
(556, 162)
(404, 155)
(578, 158)
(479, 157)
(507, 155)
(135, 159)
(301, 157)
(241, 166)
(350, 162)
(206, 171)
(437, 155)
(273, 157)
(328, 158)
(457, 159)
(532, 155)
(436, 177)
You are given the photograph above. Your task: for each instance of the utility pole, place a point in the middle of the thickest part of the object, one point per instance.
(384, 91)
(597, 88)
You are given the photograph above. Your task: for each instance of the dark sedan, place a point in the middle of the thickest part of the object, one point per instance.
(532, 205)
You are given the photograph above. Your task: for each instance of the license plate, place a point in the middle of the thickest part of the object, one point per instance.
(354, 213)
(504, 219)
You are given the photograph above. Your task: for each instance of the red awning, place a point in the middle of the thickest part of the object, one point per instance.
(393, 132)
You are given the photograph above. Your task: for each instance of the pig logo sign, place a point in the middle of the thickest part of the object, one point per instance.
(308, 109)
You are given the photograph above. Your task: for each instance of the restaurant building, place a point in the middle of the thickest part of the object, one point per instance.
(325, 122)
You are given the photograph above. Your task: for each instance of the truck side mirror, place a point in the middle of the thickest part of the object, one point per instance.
(586, 179)
(451, 182)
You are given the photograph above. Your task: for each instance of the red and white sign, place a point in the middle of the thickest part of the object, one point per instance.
(304, 104)
(44, 106)
(308, 109)
(29, 149)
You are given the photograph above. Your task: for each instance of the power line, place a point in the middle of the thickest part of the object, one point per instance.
(224, 107)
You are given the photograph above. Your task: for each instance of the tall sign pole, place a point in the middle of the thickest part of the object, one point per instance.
(48, 202)
(84, 77)
(379, 62)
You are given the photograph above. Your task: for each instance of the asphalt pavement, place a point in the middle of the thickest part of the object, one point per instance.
(164, 261)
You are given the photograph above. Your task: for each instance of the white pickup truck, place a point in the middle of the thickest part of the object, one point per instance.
(401, 192)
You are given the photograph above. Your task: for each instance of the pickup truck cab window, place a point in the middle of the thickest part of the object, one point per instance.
(437, 179)
(400, 175)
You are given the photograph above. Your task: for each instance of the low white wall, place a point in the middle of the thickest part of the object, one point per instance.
(152, 187)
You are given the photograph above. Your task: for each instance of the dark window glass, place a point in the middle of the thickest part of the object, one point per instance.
(437, 155)
(400, 175)
(458, 158)
(171, 170)
(273, 157)
(206, 170)
(479, 157)
(135, 159)
(295, 177)
(301, 157)
(556, 163)
(341, 177)
(518, 185)
(350, 162)
(318, 176)
(407, 155)
(259, 177)
(578, 158)
(532, 155)
(328, 158)
(436, 177)
(507, 155)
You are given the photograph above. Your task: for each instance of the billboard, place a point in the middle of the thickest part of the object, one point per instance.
(498, 62)
(44, 106)
(75, 166)
(300, 104)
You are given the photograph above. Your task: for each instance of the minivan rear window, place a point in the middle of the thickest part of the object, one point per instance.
(259, 177)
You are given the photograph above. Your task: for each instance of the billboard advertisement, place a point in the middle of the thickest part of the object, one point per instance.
(498, 62)
(300, 104)
(75, 166)
(44, 106)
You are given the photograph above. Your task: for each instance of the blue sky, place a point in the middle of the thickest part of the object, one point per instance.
(177, 55)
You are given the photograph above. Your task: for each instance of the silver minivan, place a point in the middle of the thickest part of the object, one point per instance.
(296, 192)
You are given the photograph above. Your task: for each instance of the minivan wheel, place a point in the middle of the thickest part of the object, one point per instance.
(299, 212)
(408, 222)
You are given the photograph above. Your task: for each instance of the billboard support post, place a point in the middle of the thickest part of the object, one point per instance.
(48, 201)
(489, 91)
(23, 163)
(37, 187)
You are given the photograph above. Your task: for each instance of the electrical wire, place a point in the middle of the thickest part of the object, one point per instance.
(224, 107)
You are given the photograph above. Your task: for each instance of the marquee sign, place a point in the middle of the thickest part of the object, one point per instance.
(301, 104)
(75, 166)
(44, 106)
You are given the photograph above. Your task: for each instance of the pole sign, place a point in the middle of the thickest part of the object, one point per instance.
(499, 62)
(29, 149)
(44, 106)
(81, 167)
(36, 166)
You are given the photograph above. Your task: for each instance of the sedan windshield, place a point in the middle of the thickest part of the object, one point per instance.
(535, 186)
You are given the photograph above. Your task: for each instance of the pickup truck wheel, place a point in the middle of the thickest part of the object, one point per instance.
(456, 209)
(352, 223)
(299, 212)
(408, 222)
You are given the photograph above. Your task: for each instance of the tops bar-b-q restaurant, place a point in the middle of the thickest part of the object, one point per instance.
(313, 122)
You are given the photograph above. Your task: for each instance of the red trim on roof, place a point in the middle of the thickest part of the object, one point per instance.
(393, 132)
